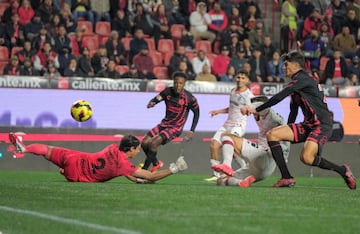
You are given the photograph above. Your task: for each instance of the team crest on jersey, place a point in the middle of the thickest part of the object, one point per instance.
(181, 102)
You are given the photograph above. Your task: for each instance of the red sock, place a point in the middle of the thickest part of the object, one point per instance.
(38, 149)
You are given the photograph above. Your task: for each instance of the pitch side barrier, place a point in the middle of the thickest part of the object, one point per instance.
(136, 85)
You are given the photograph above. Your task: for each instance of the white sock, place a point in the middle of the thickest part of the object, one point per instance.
(232, 181)
(215, 162)
(227, 150)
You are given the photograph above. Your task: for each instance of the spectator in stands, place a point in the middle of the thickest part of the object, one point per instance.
(115, 6)
(244, 7)
(232, 31)
(313, 48)
(337, 130)
(32, 29)
(144, 63)
(10, 10)
(354, 68)
(67, 18)
(238, 60)
(115, 48)
(336, 70)
(101, 10)
(354, 5)
(78, 43)
(39, 41)
(199, 61)
(82, 8)
(288, 25)
(236, 22)
(110, 71)
(45, 57)
(184, 68)
(276, 69)
(199, 21)
(84, 63)
(259, 65)
(26, 52)
(230, 75)
(256, 35)
(13, 68)
(304, 9)
(100, 59)
(14, 32)
(61, 40)
(345, 42)
(267, 47)
(235, 45)
(51, 73)
(161, 20)
(26, 12)
(248, 48)
(47, 10)
(205, 74)
(353, 80)
(72, 69)
(353, 23)
(187, 40)
(136, 43)
(121, 23)
(28, 69)
(218, 19)
(221, 62)
(329, 21)
(338, 8)
(53, 26)
(177, 57)
(252, 75)
(251, 18)
(325, 36)
(132, 73)
(311, 22)
(65, 56)
(142, 19)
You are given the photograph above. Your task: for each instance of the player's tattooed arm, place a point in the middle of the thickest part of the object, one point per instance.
(154, 101)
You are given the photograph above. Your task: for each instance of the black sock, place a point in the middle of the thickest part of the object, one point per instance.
(151, 155)
(325, 164)
(146, 164)
(278, 156)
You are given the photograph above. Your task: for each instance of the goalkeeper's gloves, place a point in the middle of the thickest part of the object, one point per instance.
(179, 165)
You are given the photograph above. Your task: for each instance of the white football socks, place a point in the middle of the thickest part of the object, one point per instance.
(215, 162)
(227, 150)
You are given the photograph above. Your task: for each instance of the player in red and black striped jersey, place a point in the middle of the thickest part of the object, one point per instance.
(316, 128)
(178, 103)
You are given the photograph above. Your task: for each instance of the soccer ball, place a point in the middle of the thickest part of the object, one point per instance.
(81, 110)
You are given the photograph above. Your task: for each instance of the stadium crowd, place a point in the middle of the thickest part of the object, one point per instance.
(150, 39)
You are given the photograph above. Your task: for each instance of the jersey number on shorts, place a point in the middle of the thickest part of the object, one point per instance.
(98, 167)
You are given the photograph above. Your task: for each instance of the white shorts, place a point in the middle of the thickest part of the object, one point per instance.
(262, 167)
(237, 131)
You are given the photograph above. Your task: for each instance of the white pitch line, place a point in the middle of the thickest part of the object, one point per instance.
(69, 221)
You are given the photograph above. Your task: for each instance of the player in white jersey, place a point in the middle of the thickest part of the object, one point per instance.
(260, 163)
(235, 123)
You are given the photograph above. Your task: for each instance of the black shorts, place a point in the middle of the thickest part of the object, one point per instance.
(318, 133)
(166, 133)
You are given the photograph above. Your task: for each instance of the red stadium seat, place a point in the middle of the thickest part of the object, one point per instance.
(203, 45)
(167, 57)
(126, 42)
(166, 46)
(4, 53)
(122, 69)
(151, 43)
(190, 55)
(92, 42)
(16, 49)
(211, 57)
(161, 72)
(323, 62)
(103, 28)
(86, 26)
(103, 40)
(176, 31)
(156, 57)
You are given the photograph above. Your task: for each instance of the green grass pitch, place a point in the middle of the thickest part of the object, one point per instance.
(43, 202)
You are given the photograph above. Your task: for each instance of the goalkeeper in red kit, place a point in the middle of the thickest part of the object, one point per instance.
(111, 162)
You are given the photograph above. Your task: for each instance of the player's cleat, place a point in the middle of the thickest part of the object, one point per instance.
(140, 165)
(158, 166)
(15, 140)
(247, 182)
(349, 177)
(224, 169)
(212, 178)
(285, 183)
